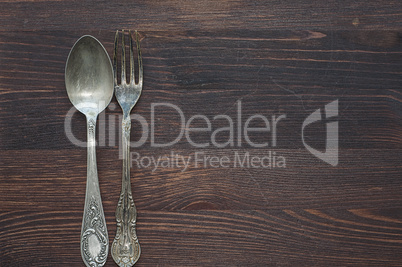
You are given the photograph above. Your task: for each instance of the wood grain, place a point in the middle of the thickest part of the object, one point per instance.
(273, 58)
(199, 15)
(263, 70)
(220, 238)
(365, 180)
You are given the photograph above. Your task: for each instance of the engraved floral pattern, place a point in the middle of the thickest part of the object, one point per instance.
(125, 246)
(95, 228)
(91, 126)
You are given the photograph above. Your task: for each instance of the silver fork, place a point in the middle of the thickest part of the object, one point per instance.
(125, 247)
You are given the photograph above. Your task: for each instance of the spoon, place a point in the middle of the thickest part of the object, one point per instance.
(89, 83)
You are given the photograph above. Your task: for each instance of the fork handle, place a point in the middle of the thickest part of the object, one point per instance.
(94, 237)
(125, 247)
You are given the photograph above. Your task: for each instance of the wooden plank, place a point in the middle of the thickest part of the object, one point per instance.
(204, 14)
(207, 73)
(362, 180)
(303, 237)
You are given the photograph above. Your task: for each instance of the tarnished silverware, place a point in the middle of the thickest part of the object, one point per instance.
(89, 83)
(125, 247)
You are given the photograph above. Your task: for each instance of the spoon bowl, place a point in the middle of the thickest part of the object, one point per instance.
(89, 76)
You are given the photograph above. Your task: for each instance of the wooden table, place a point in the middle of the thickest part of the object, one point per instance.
(211, 61)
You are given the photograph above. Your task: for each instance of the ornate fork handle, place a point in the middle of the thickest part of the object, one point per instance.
(126, 248)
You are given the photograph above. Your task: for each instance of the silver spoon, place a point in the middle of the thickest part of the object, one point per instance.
(89, 83)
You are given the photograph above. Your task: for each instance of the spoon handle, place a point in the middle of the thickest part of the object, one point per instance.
(125, 247)
(94, 237)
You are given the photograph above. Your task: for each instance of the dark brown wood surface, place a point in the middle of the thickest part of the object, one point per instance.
(206, 57)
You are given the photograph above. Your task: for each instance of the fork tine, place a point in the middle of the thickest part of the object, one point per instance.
(115, 57)
(140, 75)
(123, 59)
(132, 75)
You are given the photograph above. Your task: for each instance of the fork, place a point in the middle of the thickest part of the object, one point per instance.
(125, 247)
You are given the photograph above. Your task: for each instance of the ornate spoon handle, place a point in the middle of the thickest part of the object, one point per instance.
(94, 237)
(125, 247)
